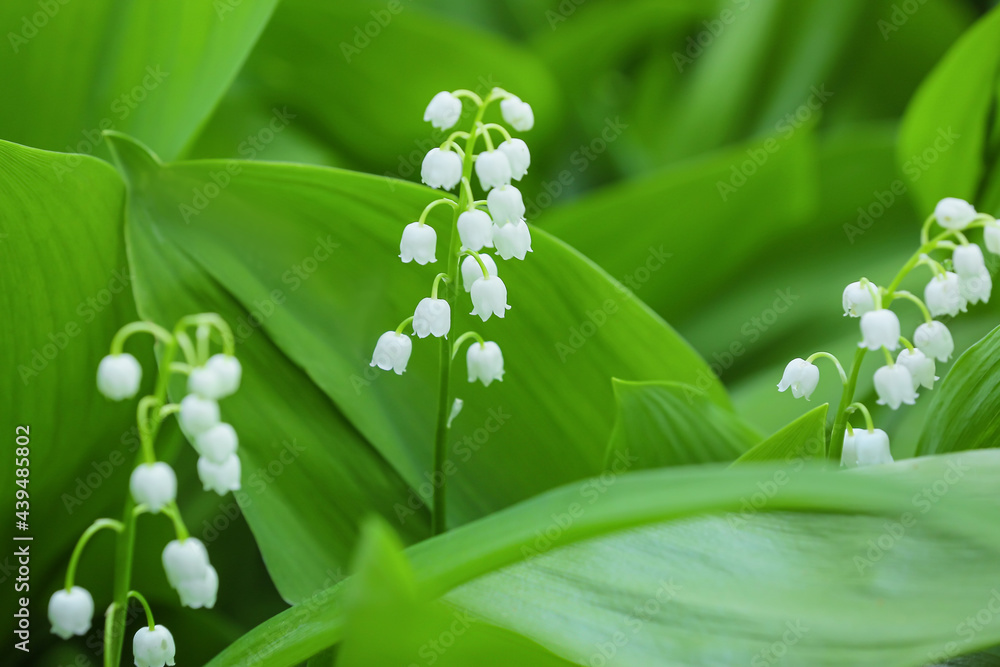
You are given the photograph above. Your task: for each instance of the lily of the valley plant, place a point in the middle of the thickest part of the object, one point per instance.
(478, 225)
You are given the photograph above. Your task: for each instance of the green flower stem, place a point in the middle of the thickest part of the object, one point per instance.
(187, 347)
(437, 281)
(499, 128)
(846, 398)
(203, 334)
(136, 595)
(917, 300)
(118, 342)
(174, 512)
(94, 528)
(889, 361)
(439, 508)
(861, 407)
(434, 204)
(213, 320)
(402, 325)
(908, 344)
(835, 360)
(457, 345)
(479, 261)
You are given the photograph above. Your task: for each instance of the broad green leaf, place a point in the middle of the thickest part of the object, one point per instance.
(663, 424)
(965, 412)
(803, 439)
(310, 254)
(948, 121)
(726, 559)
(152, 69)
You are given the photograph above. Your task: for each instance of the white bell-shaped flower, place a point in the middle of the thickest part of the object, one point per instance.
(119, 376)
(801, 377)
(220, 477)
(443, 111)
(432, 317)
(863, 448)
(485, 362)
(441, 169)
(506, 205)
(976, 288)
(968, 260)
(471, 271)
(943, 295)
(879, 328)
(894, 386)
(475, 228)
(512, 240)
(954, 213)
(217, 443)
(858, 299)
(228, 373)
(493, 170)
(418, 244)
(921, 367)
(70, 612)
(205, 382)
(190, 573)
(518, 155)
(849, 454)
(153, 485)
(392, 351)
(153, 648)
(934, 340)
(991, 237)
(517, 114)
(197, 414)
(489, 297)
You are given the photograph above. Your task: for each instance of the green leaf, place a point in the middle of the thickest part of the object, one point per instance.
(303, 261)
(663, 424)
(944, 133)
(152, 69)
(803, 439)
(965, 411)
(726, 559)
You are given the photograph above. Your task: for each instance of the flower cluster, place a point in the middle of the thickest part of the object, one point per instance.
(496, 223)
(955, 284)
(153, 483)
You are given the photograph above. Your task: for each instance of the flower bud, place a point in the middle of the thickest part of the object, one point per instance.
(489, 297)
(512, 240)
(418, 244)
(432, 317)
(484, 362)
(864, 448)
(517, 114)
(934, 340)
(518, 155)
(801, 377)
(475, 228)
(197, 414)
(153, 648)
(392, 351)
(493, 170)
(943, 295)
(953, 213)
(991, 237)
(921, 367)
(220, 477)
(217, 443)
(894, 386)
(205, 382)
(70, 612)
(228, 372)
(879, 328)
(471, 271)
(119, 376)
(443, 111)
(441, 169)
(506, 205)
(858, 299)
(153, 485)
(190, 573)
(968, 261)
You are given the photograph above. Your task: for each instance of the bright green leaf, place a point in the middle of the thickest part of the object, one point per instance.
(803, 439)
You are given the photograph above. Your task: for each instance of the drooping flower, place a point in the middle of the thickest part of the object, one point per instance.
(205, 382)
(392, 351)
(153, 648)
(934, 340)
(991, 237)
(475, 228)
(518, 155)
(512, 240)
(858, 299)
(976, 288)
(119, 376)
(506, 205)
(443, 111)
(921, 367)
(471, 271)
(190, 573)
(228, 372)
(418, 244)
(954, 213)
(220, 477)
(879, 328)
(153, 485)
(493, 170)
(484, 362)
(801, 377)
(863, 448)
(489, 297)
(441, 169)
(198, 414)
(517, 114)
(943, 295)
(894, 386)
(217, 443)
(432, 317)
(70, 612)
(968, 261)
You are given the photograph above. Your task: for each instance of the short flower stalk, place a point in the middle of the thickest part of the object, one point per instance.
(493, 223)
(947, 293)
